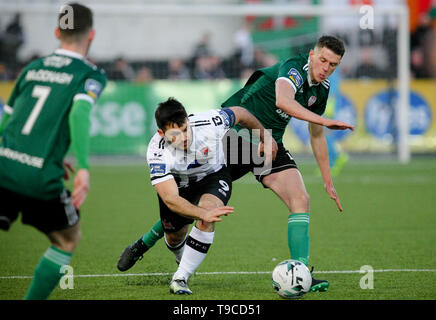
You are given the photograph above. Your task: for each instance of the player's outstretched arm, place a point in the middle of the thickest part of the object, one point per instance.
(285, 100)
(320, 151)
(169, 194)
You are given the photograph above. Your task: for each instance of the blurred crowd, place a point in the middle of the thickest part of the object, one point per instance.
(205, 64)
(11, 39)
(423, 45)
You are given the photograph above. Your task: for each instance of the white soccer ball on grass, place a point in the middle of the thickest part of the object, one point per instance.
(291, 279)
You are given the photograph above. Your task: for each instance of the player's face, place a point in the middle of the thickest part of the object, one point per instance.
(323, 62)
(179, 136)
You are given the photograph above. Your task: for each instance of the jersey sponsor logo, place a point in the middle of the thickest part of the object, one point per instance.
(93, 88)
(49, 76)
(156, 168)
(23, 158)
(311, 100)
(282, 114)
(295, 76)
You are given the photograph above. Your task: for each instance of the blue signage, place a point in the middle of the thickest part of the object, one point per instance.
(380, 116)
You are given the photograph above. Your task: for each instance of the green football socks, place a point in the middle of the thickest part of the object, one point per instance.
(47, 273)
(153, 235)
(298, 236)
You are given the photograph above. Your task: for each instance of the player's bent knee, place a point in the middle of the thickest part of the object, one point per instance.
(67, 245)
(210, 202)
(66, 240)
(300, 202)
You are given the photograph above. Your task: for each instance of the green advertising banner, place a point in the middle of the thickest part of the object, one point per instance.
(123, 118)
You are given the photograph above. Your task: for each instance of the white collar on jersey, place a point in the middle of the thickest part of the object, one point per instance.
(69, 53)
(309, 80)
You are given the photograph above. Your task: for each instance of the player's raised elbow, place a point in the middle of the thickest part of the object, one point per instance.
(285, 93)
(280, 103)
(170, 200)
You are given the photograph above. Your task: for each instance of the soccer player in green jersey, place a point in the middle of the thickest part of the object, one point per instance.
(49, 109)
(297, 87)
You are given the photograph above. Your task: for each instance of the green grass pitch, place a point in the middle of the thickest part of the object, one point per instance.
(388, 223)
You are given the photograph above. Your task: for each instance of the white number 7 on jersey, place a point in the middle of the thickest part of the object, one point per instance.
(41, 93)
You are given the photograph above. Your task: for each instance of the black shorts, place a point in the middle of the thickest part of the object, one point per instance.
(45, 215)
(218, 184)
(242, 158)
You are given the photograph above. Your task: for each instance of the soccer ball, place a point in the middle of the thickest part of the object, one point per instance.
(291, 279)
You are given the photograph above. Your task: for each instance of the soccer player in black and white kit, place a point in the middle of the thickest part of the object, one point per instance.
(188, 169)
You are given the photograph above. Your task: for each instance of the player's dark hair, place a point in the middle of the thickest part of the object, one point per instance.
(170, 112)
(81, 23)
(334, 44)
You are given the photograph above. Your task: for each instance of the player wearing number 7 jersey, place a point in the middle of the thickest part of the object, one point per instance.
(49, 109)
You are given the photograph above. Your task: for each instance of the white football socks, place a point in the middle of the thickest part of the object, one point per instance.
(196, 247)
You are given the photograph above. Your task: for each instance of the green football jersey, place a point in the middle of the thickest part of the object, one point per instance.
(37, 135)
(259, 96)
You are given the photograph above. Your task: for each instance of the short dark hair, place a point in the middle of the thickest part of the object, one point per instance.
(81, 24)
(170, 112)
(332, 43)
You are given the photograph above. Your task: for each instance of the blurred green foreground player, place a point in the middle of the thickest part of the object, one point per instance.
(297, 87)
(50, 108)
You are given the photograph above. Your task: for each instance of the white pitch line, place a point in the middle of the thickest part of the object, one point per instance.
(220, 273)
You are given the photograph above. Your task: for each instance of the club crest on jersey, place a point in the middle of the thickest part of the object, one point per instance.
(295, 76)
(311, 100)
(205, 151)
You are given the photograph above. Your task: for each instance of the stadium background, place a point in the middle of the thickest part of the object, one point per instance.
(201, 60)
(388, 220)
